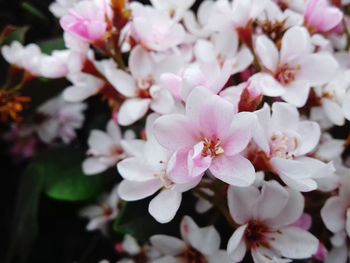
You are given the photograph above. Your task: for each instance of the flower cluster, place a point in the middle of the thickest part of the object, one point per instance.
(233, 103)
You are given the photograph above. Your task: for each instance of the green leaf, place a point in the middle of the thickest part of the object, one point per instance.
(32, 10)
(25, 225)
(51, 45)
(12, 33)
(65, 179)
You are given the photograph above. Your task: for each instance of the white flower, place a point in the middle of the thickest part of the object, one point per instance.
(291, 72)
(100, 214)
(105, 149)
(336, 211)
(285, 141)
(197, 245)
(57, 118)
(141, 87)
(265, 217)
(145, 173)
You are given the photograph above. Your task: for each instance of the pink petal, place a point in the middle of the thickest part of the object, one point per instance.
(240, 133)
(175, 131)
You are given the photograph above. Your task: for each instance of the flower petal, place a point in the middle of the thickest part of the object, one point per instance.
(164, 206)
(133, 190)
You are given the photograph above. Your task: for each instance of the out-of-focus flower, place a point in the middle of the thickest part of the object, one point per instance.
(155, 29)
(100, 214)
(321, 17)
(86, 20)
(292, 71)
(198, 244)
(105, 149)
(57, 118)
(26, 57)
(61, 7)
(336, 211)
(210, 136)
(11, 105)
(265, 217)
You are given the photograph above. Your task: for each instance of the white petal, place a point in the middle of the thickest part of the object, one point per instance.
(92, 166)
(284, 116)
(267, 52)
(132, 110)
(140, 62)
(333, 214)
(168, 245)
(187, 226)
(135, 169)
(271, 202)
(164, 206)
(310, 133)
(236, 247)
(240, 201)
(333, 111)
(296, 43)
(206, 240)
(121, 81)
(100, 142)
(77, 94)
(297, 93)
(295, 243)
(132, 191)
(319, 68)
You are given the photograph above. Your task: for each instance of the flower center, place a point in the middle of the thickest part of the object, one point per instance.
(144, 86)
(282, 145)
(212, 147)
(256, 234)
(286, 74)
(107, 212)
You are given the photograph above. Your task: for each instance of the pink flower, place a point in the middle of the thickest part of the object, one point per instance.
(321, 16)
(86, 20)
(265, 217)
(211, 135)
(291, 72)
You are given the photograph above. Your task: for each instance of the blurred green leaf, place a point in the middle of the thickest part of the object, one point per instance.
(51, 45)
(32, 10)
(25, 225)
(65, 179)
